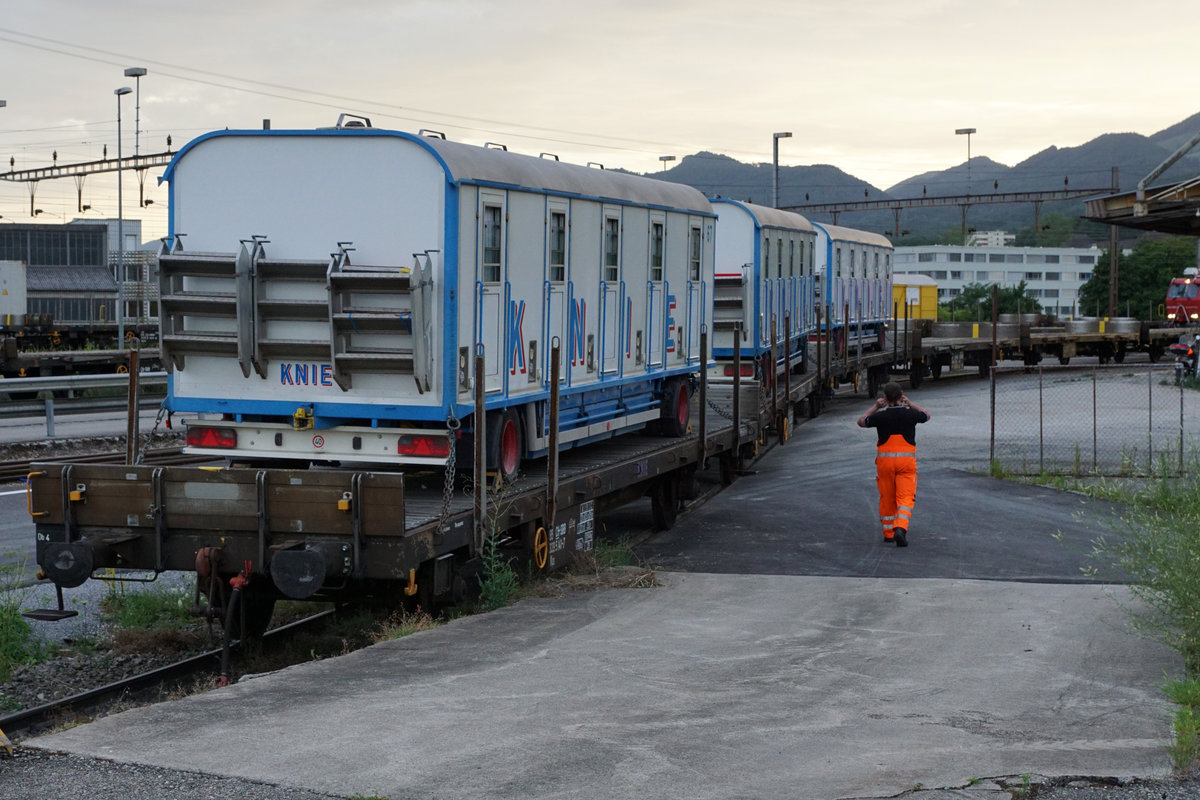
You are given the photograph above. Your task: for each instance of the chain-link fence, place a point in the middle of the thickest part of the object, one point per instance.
(1112, 420)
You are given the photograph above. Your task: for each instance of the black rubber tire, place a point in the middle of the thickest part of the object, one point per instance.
(676, 409)
(504, 450)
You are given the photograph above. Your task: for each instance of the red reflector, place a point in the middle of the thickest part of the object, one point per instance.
(421, 446)
(747, 370)
(211, 437)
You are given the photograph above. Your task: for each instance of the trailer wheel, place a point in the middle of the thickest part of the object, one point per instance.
(676, 410)
(664, 502)
(1064, 360)
(1155, 352)
(504, 442)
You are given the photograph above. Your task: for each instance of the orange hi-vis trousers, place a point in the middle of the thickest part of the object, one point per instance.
(896, 476)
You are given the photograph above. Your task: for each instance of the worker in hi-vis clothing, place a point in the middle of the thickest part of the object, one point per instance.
(895, 418)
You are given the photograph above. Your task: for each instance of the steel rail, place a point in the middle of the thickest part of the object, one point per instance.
(39, 717)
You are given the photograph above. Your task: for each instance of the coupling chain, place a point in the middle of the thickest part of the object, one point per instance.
(453, 424)
(720, 411)
(149, 437)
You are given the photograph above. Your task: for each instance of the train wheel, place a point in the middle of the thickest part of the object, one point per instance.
(728, 468)
(916, 374)
(664, 502)
(504, 450)
(676, 410)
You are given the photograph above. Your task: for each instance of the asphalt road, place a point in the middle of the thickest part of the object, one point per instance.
(823, 520)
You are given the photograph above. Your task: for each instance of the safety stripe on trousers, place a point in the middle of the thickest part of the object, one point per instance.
(896, 455)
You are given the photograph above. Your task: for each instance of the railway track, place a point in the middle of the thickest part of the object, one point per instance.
(167, 456)
(92, 701)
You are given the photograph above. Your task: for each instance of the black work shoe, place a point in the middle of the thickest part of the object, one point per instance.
(901, 536)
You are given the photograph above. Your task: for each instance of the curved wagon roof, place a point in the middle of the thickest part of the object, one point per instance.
(768, 217)
(471, 164)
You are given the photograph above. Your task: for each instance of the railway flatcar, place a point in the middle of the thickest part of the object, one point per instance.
(854, 271)
(765, 277)
(325, 294)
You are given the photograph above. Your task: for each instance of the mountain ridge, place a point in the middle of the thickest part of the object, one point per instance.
(1086, 166)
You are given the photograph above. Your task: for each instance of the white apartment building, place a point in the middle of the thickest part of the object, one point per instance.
(990, 239)
(1052, 275)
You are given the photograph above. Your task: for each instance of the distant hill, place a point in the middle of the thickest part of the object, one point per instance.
(1086, 166)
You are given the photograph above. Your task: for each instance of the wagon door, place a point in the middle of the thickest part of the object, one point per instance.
(489, 288)
(610, 293)
(557, 248)
(655, 295)
(699, 248)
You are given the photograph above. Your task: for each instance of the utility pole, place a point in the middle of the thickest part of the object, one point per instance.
(1114, 256)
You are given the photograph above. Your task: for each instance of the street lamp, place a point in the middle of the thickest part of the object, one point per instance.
(967, 132)
(664, 160)
(124, 90)
(136, 73)
(775, 137)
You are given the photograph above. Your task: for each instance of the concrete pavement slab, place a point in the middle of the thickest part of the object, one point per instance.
(712, 686)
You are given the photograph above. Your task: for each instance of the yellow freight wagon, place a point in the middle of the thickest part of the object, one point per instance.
(918, 292)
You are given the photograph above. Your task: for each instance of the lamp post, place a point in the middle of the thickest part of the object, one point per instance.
(124, 90)
(967, 132)
(136, 73)
(775, 137)
(664, 160)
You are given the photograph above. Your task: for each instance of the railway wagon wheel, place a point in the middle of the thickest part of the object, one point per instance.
(664, 502)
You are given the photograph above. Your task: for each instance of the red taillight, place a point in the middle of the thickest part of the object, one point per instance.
(211, 437)
(747, 370)
(422, 446)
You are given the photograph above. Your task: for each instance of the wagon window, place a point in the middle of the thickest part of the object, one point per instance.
(779, 256)
(766, 257)
(612, 247)
(656, 251)
(837, 262)
(558, 246)
(492, 216)
(694, 254)
(877, 265)
(792, 257)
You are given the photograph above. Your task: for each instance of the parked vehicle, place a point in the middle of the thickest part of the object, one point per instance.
(1185, 352)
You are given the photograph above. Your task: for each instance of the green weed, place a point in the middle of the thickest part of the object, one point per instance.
(18, 645)
(499, 581)
(157, 607)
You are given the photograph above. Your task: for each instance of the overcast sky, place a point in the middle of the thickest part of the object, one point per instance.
(874, 87)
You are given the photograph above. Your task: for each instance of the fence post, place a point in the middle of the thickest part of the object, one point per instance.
(1041, 425)
(992, 436)
(1095, 448)
(1181, 427)
(1150, 422)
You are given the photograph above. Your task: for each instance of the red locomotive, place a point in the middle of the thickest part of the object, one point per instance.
(1182, 305)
